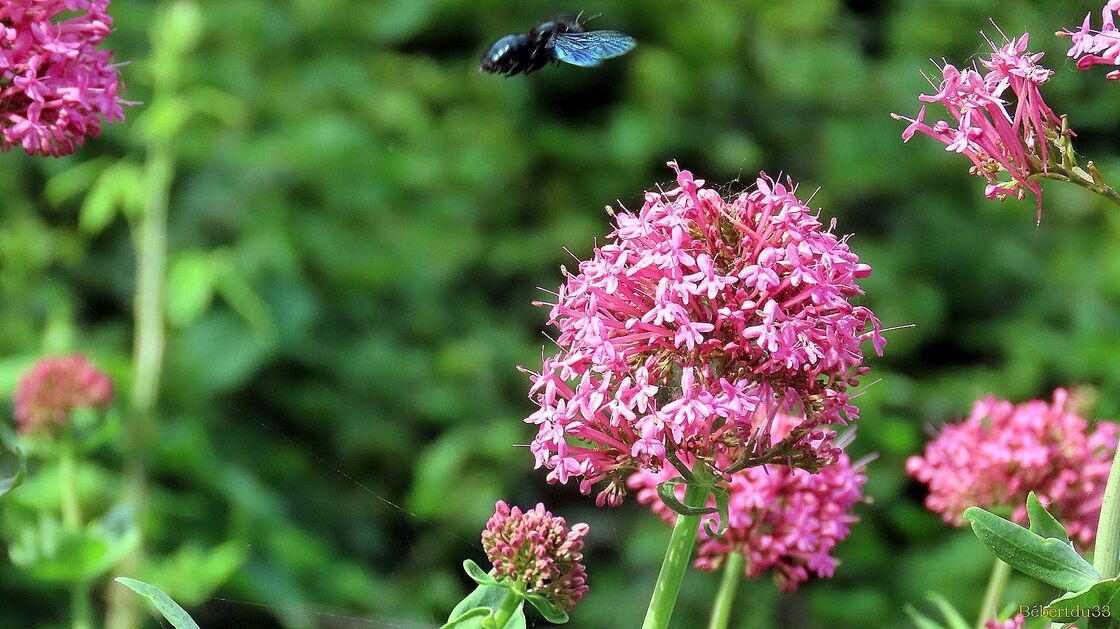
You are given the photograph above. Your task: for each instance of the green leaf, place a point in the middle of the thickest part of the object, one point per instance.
(669, 497)
(73, 181)
(118, 187)
(721, 497)
(194, 572)
(1042, 523)
(921, 620)
(952, 617)
(479, 575)
(550, 612)
(1049, 560)
(50, 553)
(170, 610)
(1097, 603)
(476, 610)
(13, 465)
(190, 288)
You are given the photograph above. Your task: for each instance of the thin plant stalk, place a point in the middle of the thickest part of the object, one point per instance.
(675, 563)
(729, 584)
(1106, 555)
(150, 238)
(996, 584)
(81, 609)
(504, 613)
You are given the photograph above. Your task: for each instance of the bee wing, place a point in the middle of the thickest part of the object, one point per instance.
(588, 49)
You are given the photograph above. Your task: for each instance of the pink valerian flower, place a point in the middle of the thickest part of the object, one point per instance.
(1090, 47)
(781, 518)
(1003, 451)
(46, 395)
(536, 549)
(55, 86)
(984, 128)
(694, 323)
(1015, 622)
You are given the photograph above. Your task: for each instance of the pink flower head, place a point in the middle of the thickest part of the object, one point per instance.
(1090, 47)
(536, 549)
(998, 119)
(697, 321)
(54, 387)
(55, 86)
(780, 517)
(1015, 622)
(1003, 451)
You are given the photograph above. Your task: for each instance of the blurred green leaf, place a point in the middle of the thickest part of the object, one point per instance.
(13, 466)
(193, 572)
(953, 618)
(190, 287)
(169, 609)
(921, 620)
(52, 554)
(119, 187)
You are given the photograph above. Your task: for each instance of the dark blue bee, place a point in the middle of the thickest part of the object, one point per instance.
(561, 39)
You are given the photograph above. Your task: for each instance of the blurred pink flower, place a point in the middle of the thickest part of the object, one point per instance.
(1090, 47)
(54, 387)
(780, 517)
(536, 549)
(985, 130)
(55, 86)
(1015, 622)
(1003, 451)
(695, 323)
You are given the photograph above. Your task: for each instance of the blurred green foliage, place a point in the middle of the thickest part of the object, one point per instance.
(358, 229)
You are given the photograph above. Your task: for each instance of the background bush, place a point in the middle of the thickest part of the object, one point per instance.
(355, 248)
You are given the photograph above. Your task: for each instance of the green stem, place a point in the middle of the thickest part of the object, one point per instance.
(732, 576)
(1076, 175)
(996, 583)
(68, 482)
(1106, 555)
(150, 237)
(676, 561)
(507, 610)
(81, 610)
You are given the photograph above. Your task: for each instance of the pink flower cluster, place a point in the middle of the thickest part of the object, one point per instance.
(1003, 451)
(55, 86)
(1091, 47)
(536, 549)
(781, 518)
(1015, 622)
(54, 387)
(695, 323)
(984, 129)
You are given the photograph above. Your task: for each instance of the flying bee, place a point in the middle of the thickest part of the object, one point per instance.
(559, 39)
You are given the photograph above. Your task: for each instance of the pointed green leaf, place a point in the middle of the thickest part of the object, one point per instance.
(550, 612)
(952, 617)
(921, 620)
(177, 616)
(13, 465)
(1049, 560)
(1042, 523)
(1099, 601)
(479, 575)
